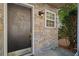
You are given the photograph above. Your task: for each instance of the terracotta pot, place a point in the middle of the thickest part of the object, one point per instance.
(64, 42)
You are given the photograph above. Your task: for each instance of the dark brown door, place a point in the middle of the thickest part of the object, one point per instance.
(19, 27)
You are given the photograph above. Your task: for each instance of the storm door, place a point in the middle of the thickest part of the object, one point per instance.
(19, 28)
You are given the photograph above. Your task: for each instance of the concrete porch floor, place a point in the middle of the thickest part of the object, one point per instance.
(56, 52)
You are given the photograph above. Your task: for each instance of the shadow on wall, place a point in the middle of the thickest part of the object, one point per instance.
(1, 43)
(1, 29)
(1, 36)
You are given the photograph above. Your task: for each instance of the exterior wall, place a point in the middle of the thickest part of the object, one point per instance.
(1, 28)
(44, 38)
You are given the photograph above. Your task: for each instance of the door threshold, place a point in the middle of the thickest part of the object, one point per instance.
(30, 54)
(20, 52)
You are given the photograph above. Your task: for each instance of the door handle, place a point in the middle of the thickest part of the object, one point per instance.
(30, 35)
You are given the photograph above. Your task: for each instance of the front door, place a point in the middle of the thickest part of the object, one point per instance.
(19, 29)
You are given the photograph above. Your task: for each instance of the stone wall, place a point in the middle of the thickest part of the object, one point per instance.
(1, 28)
(44, 38)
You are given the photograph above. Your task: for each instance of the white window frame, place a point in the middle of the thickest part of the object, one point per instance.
(50, 19)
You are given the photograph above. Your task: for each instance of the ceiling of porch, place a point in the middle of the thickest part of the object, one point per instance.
(56, 5)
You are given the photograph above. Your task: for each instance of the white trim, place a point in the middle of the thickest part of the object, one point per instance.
(5, 29)
(78, 30)
(49, 19)
(33, 30)
(5, 26)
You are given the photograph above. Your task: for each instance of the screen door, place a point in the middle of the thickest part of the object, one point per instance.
(19, 27)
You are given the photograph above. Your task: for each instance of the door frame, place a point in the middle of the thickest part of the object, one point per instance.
(6, 26)
(77, 53)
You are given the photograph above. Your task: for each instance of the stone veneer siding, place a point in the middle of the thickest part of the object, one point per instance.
(44, 38)
(1, 28)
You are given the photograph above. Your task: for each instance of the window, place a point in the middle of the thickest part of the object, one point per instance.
(50, 19)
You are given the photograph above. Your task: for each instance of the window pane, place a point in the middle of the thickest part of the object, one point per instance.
(50, 23)
(50, 16)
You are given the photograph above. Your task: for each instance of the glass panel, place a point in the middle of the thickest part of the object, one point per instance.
(50, 23)
(50, 16)
(19, 28)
